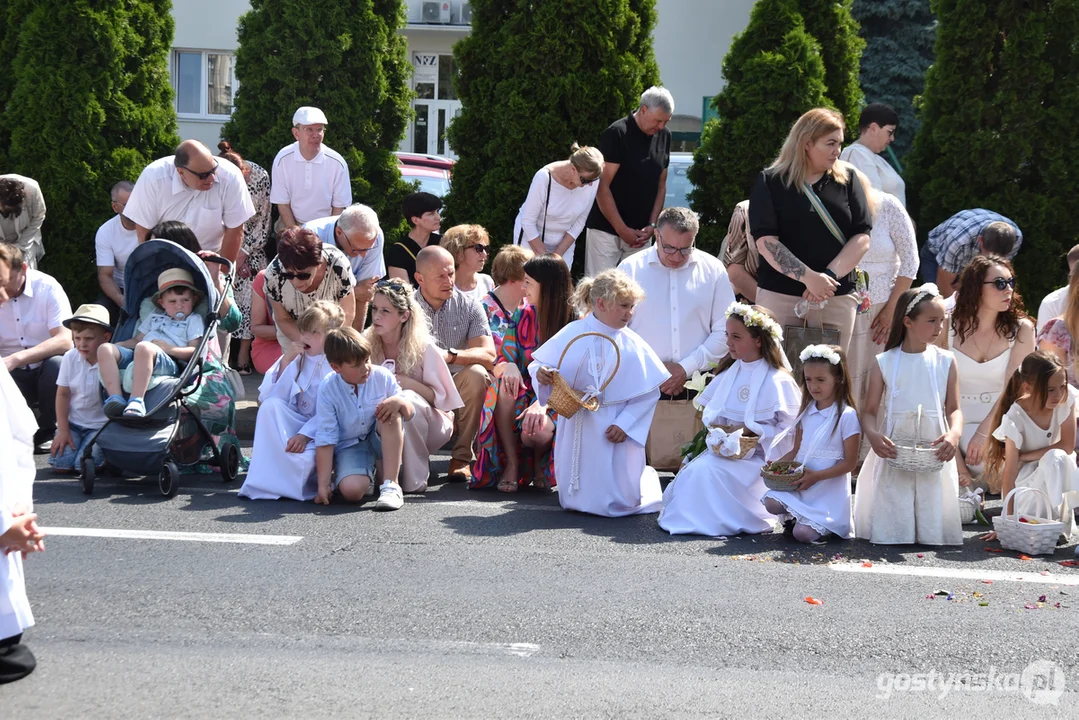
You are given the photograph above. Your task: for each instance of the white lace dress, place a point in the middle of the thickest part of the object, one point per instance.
(895, 507)
(826, 506)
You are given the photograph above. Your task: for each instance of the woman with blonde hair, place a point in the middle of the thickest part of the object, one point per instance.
(469, 245)
(558, 203)
(811, 222)
(401, 342)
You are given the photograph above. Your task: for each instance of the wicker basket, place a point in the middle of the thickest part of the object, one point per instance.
(746, 443)
(781, 476)
(969, 505)
(564, 399)
(1038, 536)
(914, 454)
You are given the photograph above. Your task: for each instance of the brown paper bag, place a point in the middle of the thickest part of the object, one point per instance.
(673, 426)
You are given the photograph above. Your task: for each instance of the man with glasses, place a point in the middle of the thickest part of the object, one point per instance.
(682, 318)
(193, 188)
(115, 240)
(22, 212)
(310, 180)
(357, 234)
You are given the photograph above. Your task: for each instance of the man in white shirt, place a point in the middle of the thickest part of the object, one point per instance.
(22, 212)
(1054, 304)
(192, 187)
(115, 240)
(33, 338)
(356, 233)
(308, 179)
(876, 131)
(687, 292)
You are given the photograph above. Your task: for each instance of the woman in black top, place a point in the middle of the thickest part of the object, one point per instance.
(802, 259)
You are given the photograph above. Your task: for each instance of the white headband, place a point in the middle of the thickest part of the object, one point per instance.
(755, 318)
(822, 352)
(927, 290)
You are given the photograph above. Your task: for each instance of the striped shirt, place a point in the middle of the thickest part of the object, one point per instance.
(459, 320)
(954, 242)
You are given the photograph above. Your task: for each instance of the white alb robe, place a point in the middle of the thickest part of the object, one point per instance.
(17, 428)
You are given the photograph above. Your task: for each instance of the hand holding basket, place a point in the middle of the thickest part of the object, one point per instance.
(564, 399)
(914, 454)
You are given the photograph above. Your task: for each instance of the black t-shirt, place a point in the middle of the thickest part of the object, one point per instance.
(641, 160)
(785, 212)
(402, 254)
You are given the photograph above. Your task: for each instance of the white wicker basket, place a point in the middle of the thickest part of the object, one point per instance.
(1038, 537)
(913, 454)
(969, 504)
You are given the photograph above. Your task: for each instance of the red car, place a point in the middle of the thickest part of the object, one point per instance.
(433, 172)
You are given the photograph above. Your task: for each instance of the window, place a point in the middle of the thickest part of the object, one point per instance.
(204, 81)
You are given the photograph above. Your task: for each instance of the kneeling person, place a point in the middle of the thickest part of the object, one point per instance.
(79, 414)
(348, 443)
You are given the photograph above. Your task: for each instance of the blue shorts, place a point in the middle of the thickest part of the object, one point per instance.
(164, 364)
(358, 459)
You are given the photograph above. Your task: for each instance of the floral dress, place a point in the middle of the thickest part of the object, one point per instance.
(520, 340)
(256, 234)
(499, 318)
(1056, 332)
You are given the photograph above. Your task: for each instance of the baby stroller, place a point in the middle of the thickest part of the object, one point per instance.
(146, 445)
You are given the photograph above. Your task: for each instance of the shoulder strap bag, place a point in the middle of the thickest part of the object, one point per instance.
(858, 276)
(546, 204)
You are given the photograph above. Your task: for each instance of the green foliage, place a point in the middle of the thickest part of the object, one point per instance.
(534, 78)
(834, 27)
(90, 104)
(774, 73)
(342, 56)
(899, 38)
(998, 126)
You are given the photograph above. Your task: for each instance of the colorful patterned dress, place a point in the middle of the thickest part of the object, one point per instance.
(520, 339)
(499, 318)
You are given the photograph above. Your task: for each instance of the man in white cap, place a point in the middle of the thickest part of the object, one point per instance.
(356, 233)
(210, 197)
(309, 180)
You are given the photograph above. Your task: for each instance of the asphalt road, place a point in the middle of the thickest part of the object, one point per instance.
(470, 605)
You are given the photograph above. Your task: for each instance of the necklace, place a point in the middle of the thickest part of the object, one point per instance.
(983, 352)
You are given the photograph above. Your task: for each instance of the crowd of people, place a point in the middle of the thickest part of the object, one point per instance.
(378, 352)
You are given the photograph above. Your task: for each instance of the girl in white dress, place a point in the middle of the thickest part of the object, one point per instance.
(283, 456)
(753, 389)
(1034, 439)
(893, 506)
(826, 439)
(599, 456)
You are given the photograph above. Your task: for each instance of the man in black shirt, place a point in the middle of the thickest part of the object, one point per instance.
(636, 151)
(422, 211)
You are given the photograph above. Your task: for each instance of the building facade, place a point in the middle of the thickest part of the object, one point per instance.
(690, 40)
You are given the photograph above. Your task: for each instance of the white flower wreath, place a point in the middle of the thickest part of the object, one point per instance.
(755, 318)
(819, 351)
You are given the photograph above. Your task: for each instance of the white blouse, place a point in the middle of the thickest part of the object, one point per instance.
(566, 212)
(893, 250)
(881, 175)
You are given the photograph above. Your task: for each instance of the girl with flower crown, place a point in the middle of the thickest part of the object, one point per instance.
(918, 385)
(753, 393)
(824, 440)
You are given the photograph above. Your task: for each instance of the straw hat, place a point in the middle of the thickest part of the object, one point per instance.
(174, 278)
(91, 314)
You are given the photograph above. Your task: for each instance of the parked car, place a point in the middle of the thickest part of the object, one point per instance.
(422, 160)
(432, 172)
(678, 184)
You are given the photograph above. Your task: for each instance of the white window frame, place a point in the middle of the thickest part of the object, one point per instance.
(204, 68)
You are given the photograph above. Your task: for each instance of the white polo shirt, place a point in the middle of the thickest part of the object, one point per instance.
(364, 267)
(113, 244)
(84, 382)
(26, 320)
(682, 315)
(312, 188)
(160, 194)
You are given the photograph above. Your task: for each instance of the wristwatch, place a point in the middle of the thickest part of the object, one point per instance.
(829, 273)
(453, 355)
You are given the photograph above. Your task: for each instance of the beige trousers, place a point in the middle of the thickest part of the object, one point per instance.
(426, 432)
(472, 382)
(837, 314)
(603, 251)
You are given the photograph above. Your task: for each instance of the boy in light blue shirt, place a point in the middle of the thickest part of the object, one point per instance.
(359, 416)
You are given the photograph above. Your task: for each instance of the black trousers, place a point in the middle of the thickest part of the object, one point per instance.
(38, 386)
(16, 660)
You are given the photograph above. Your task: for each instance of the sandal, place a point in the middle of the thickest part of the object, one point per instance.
(135, 408)
(114, 406)
(508, 483)
(539, 478)
(244, 369)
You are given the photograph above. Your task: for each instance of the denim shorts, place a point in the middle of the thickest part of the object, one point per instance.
(164, 364)
(72, 459)
(358, 459)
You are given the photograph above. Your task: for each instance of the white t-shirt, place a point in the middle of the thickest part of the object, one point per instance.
(484, 284)
(881, 175)
(160, 194)
(179, 332)
(1052, 306)
(114, 243)
(26, 320)
(84, 382)
(312, 188)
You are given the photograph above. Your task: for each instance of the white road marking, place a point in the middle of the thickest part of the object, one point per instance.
(184, 536)
(960, 573)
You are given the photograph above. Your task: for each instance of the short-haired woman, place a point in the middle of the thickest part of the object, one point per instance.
(558, 203)
(876, 131)
(422, 212)
(469, 245)
(508, 272)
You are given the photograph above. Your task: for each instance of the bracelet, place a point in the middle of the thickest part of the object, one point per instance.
(830, 273)
(978, 432)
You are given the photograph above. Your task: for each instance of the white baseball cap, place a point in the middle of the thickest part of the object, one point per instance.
(308, 115)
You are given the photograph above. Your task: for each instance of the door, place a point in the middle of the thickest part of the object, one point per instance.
(435, 105)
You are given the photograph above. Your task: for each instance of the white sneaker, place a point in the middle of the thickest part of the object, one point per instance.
(390, 497)
(370, 489)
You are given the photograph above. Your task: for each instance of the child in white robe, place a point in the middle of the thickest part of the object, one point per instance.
(825, 440)
(599, 456)
(283, 456)
(19, 532)
(894, 506)
(753, 390)
(1034, 440)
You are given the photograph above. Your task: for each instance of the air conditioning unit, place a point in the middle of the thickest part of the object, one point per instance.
(436, 12)
(466, 13)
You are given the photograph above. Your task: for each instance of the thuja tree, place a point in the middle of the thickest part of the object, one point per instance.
(833, 26)
(343, 56)
(899, 38)
(534, 78)
(998, 126)
(773, 73)
(90, 105)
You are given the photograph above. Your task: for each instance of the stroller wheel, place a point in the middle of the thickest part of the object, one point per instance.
(168, 481)
(230, 461)
(89, 475)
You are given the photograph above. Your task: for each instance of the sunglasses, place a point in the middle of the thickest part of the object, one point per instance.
(1001, 284)
(478, 247)
(296, 275)
(589, 181)
(201, 175)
